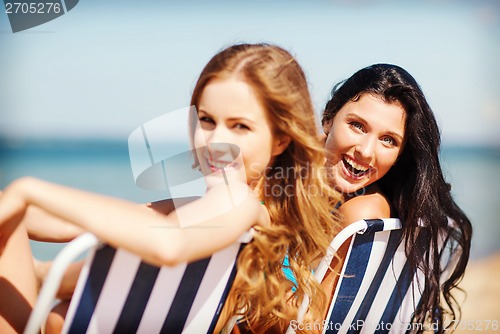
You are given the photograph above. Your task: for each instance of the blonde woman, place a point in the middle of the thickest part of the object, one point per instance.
(255, 99)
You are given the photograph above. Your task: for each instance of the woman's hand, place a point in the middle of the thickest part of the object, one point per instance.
(13, 206)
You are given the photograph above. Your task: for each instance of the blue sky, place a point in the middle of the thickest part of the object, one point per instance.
(106, 67)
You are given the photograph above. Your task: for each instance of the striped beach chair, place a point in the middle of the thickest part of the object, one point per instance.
(376, 291)
(118, 293)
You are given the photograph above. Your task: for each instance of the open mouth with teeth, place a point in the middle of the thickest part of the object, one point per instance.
(216, 166)
(355, 169)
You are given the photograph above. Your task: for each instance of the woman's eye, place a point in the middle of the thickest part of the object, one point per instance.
(206, 123)
(241, 126)
(356, 125)
(389, 140)
(205, 119)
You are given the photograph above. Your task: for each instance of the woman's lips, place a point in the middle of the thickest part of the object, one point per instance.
(217, 165)
(353, 169)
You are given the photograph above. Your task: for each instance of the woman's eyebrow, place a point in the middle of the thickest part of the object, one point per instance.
(231, 119)
(236, 119)
(354, 115)
(201, 110)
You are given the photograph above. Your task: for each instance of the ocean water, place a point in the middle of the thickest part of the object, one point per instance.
(103, 166)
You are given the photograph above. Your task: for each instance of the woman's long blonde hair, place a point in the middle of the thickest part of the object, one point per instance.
(294, 189)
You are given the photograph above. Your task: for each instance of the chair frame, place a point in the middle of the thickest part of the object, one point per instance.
(361, 294)
(203, 292)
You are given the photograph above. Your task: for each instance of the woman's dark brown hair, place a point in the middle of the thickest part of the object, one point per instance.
(416, 187)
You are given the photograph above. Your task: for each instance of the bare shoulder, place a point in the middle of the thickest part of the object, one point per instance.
(369, 206)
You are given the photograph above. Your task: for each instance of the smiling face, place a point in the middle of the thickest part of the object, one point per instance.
(364, 141)
(234, 134)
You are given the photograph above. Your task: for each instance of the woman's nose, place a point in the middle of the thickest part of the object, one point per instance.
(366, 147)
(221, 145)
(219, 134)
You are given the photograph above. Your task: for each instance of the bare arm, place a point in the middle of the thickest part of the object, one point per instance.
(209, 223)
(44, 227)
(68, 283)
(166, 206)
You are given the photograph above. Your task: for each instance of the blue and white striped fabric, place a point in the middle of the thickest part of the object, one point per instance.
(376, 291)
(119, 293)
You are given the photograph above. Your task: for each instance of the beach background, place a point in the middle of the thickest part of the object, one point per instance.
(104, 166)
(73, 89)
